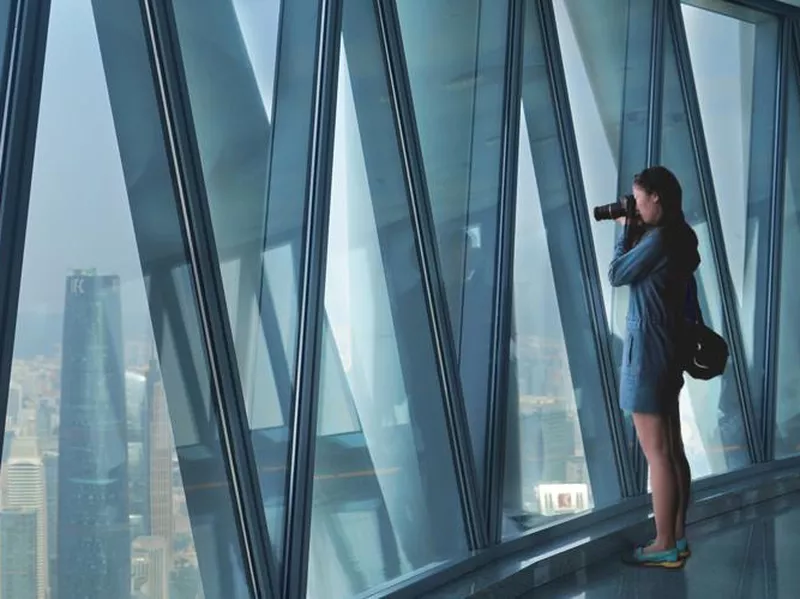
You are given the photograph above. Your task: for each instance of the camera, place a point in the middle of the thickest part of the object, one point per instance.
(626, 206)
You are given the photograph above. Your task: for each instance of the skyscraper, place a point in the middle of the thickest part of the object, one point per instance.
(160, 469)
(157, 435)
(93, 539)
(150, 556)
(24, 506)
(19, 560)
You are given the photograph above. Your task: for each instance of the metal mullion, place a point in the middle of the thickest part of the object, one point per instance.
(203, 262)
(655, 103)
(312, 276)
(786, 73)
(22, 69)
(580, 217)
(422, 225)
(502, 306)
(656, 87)
(708, 196)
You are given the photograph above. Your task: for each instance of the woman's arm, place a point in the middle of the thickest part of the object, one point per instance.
(638, 262)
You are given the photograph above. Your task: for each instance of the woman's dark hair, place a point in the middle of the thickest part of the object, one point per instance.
(661, 181)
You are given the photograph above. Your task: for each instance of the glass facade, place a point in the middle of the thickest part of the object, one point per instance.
(306, 299)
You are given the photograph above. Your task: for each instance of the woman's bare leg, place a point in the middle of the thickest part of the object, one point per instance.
(683, 474)
(653, 431)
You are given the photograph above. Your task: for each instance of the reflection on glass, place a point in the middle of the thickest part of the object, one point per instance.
(595, 47)
(455, 54)
(385, 499)
(593, 38)
(94, 503)
(559, 453)
(723, 57)
(722, 51)
(551, 479)
(251, 105)
(711, 416)
(787, 390)
(228, 49)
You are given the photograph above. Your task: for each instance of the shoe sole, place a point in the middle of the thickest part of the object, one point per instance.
(669, 565)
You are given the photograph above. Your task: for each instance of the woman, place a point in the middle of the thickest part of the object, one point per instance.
(659, 267)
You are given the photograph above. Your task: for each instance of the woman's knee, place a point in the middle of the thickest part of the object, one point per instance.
(654, 436)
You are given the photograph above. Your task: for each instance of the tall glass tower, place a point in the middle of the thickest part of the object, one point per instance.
(19, 530)
(93, 538)
(24, 491)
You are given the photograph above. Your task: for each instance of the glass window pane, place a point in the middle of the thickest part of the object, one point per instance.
(455, 52)
(711, 416)
(385, 500)
(113, 480)
(252, 105)
(229, 75)
(734, 96)
(607, 71)
(787, 392)
(551, 479)
(559, 453)
(722, 50)
(594, 41)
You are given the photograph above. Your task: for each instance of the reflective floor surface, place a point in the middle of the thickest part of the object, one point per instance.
(748, 554)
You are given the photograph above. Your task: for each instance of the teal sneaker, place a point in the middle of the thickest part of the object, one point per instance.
(669, 559)
(682, 545)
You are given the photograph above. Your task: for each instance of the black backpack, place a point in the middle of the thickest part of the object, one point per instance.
(706, 351)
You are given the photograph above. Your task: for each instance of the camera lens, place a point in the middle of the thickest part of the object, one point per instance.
(610, 211)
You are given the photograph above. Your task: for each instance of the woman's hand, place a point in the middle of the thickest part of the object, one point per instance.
(634, 221)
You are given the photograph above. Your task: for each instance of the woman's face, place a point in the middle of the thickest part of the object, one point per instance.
(648, 205)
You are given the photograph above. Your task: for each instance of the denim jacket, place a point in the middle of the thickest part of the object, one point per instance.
(657, 270)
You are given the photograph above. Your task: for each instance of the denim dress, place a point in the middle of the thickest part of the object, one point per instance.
(658, 270)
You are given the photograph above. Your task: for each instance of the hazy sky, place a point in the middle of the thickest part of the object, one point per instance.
(79, 212)
(79, 215)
